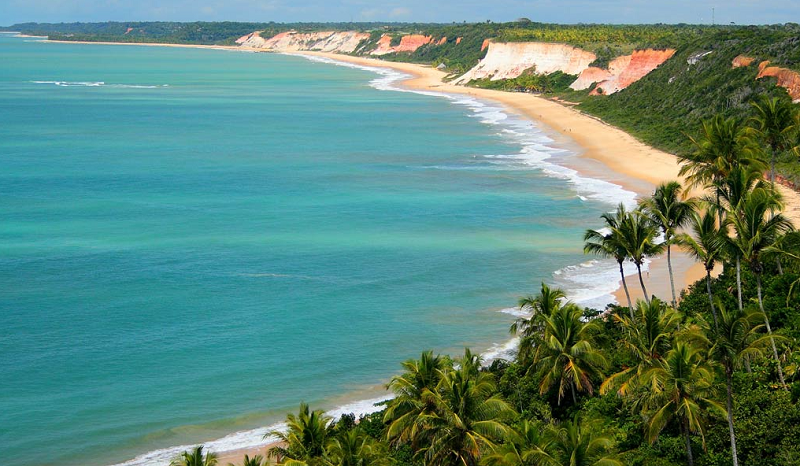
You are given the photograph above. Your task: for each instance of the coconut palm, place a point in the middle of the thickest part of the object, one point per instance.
(568, 359)
(195, 457)
(736, 185)
(356, 448)
(774, 125)
(755, 232)
(647, 337)
(669, 212)
(468, 418)
(256, 460)
(608, 243)
(735, 341)
(680, 388)
(575, 443)
(411, 401)
(722, 146)
(525, 445)
(531, 329)
(638, 236)
(707, 245)
(306, 439)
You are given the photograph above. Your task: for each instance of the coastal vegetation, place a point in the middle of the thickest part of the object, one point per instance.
(706, 376)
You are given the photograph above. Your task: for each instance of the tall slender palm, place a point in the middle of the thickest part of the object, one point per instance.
(681, 388)
(707, 246)
(411, 401)
(755, 233)
(774, 124)
(647, 337)
(468, 418)
(568, 358)
(722, 146)
(574, 443)
(195, 457)
(526, 444)
(667, 209)
(356, 448)
(638, 236)
(736, 185)
(735, 340)
(531, 329)
(256, 460)
(306, 439)
(608, 243)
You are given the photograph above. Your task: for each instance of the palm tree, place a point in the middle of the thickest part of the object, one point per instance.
(736, 185)
(707, 246)
(648, 337)
(575, 444)
(256, 460)
(568, 359)
(669, 212)
(195, 458)
(525, 445)
(412, 400)
(609, 244)
(356, 448)
(638, 236)
(735, 341)
(306, 439)
(531, 330)
(469, 417)
(681, 388)
(722, 146)
(755, 233)
(774, 124)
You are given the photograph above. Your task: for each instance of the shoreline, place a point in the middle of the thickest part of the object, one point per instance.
(639, 166)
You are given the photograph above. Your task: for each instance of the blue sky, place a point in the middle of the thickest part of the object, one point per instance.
(563, 11)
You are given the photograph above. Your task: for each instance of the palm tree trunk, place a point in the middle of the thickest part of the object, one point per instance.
(769, 331)
(671, 278)
(685, 429)
(625, 287)
(641, 282)
(780, 267)
(711, 298)
(739, 280)
(574, 397)
(730, 415)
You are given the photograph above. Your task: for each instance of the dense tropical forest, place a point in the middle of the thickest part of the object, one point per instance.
(703, 376)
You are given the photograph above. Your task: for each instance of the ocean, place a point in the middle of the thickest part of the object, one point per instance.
(195, 241)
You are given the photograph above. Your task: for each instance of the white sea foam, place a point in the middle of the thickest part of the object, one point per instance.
(253, 438)
(100, 84)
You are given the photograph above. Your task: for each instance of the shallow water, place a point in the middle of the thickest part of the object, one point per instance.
(194, 241)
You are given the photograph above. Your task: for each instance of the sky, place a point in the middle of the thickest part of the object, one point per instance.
(442, 11)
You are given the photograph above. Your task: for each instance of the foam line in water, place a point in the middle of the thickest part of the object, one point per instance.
(536, 151)
(253, 438)
(100, 84)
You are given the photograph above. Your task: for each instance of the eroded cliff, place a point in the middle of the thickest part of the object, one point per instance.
(291, 41)
(409, 43)
(509, 60)
(786, 78)
(628, 69)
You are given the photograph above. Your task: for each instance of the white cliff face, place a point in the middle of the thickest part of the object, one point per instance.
(509, 60)
(291, 41)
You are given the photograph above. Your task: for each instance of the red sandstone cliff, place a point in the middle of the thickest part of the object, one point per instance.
(409, 43)
(742, 61)
(788, 79)
(628, 69)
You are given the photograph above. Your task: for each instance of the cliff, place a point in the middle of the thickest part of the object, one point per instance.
(291, 41)
(788, 79)
(628, 69)
(509, 60)
(409, 43)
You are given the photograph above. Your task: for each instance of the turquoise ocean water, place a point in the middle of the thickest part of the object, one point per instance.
(192, 241)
